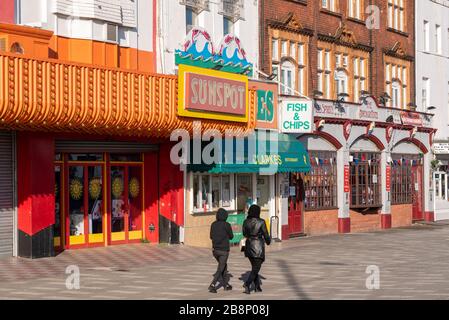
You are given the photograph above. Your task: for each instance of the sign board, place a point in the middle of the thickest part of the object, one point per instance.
(236, 222)
(388, 177)
(411, 119)
(368, 110)
(441, 148)
(211, 94)
(346, 178)
(267, 105)
(296, 116)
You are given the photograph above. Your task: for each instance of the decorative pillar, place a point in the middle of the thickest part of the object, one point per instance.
(429, 197)
(343, 191)
(385, 214)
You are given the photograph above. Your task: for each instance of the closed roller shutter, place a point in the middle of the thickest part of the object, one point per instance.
(6, 194)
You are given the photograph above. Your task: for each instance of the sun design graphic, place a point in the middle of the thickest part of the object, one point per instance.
(134, 188)
(117, 187)
(76, 189)
(95, 188)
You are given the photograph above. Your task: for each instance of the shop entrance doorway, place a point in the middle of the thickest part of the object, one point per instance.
(295, 205)
(417, 193)
(98, 200)
(440, 187)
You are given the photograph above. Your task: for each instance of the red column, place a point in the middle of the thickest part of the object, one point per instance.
(36, 193)
(151, 197)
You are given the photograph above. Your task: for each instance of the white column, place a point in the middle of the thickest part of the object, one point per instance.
(386, 197)
(343, 197)
(429, 197)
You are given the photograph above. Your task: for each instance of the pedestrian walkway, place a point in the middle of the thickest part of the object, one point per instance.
(412, 263)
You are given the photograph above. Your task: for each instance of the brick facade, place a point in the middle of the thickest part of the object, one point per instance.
(325, 24)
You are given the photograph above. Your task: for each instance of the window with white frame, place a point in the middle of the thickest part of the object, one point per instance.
(425, 93)
(330, 5)
(275, 49)
(210, 192)
(111, 33)
(228, 26)
(288, 78)
(341, 82)
(396, 94)
(426, 37)
(355, 9)
(438, 44)
(396, 83)
(396, 14)
(289, 64)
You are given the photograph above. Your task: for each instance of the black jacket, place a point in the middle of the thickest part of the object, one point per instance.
(221, 232)
(256, 233)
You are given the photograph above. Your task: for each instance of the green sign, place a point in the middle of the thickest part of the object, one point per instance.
(236, 222)
(265, 105)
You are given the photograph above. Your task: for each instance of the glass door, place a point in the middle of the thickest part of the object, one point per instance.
(126, 203)
(85, 204)
(57, 227)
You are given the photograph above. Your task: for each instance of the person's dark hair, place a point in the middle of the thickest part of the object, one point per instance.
(222, 214)
(254, 211)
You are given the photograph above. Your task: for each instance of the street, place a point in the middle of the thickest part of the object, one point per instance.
(413, 264)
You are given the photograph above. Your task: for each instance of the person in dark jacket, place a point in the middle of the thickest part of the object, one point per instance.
(221, 233)
(256, 234)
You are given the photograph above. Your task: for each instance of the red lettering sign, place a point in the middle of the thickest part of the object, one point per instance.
(411, 119)
(212, 94)
(346, 182)
(388, 176)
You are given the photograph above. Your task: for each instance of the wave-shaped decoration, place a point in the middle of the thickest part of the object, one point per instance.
(198, 51)
(55, 96)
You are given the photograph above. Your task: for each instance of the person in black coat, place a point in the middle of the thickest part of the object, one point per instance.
(221, 233)
(256, 234)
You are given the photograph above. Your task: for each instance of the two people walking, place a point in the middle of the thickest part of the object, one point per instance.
(256, 233)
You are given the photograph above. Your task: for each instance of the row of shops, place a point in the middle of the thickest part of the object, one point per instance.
(89, 162)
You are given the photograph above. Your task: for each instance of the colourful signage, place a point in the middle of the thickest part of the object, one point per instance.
(346, 179)
(411, 119)
(296, 116)
(388, 176)
(211, 94)
(267, 105)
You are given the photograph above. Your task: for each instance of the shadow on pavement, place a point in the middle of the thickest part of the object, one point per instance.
(293, 283)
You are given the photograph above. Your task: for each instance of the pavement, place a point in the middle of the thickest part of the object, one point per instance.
(412, 263)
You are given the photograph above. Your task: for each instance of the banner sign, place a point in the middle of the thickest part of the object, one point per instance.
(346, 178)
(211, 94)
(411, 119)
(296, 116)
(388, 176)
(368, 110)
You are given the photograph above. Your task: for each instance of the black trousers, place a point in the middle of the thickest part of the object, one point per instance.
(222, 268)
(256, 264)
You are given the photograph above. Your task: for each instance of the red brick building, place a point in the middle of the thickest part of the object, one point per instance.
(355, 58)
(342, 27)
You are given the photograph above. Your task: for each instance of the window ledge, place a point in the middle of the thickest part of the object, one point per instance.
(332, 13)
(356, 20)
(402, 33)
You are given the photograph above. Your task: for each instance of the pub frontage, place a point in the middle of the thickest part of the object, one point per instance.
(370, 166)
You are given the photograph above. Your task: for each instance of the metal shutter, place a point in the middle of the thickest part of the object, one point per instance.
(103, 146)
(6, 194)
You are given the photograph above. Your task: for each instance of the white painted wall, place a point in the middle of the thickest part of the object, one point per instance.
(87, 19)
(172, 30)
(432, 65)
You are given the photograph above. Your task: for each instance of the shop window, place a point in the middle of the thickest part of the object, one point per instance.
(365, 180)
(263, 191)
(211, 192)
(244, 192)
(76, 200)
(403, 168)
(132, 157)
(85, 157)
(320, 184)
(58, 203)
(58, 157)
